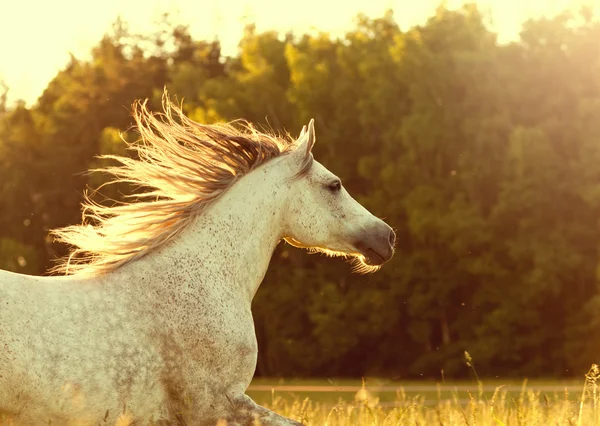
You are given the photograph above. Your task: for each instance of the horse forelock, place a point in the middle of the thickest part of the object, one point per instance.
(185, 166)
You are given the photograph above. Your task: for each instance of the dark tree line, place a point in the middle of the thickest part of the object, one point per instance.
(484, 156)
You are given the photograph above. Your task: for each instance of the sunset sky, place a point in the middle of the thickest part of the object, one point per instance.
(36, 36)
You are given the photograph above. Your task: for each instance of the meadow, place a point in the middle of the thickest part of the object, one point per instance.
(379, 402)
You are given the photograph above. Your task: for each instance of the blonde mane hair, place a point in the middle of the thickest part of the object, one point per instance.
(185, 165)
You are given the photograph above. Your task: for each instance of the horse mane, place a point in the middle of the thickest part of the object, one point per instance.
(184, 165)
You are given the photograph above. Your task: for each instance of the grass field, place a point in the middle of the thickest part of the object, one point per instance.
(377, 402)
(330, 392)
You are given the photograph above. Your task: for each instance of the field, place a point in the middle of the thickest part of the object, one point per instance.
(379, 402)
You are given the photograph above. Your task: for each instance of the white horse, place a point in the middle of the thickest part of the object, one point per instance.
(152, 323)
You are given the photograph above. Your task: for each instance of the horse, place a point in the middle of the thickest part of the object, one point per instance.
(149, 321)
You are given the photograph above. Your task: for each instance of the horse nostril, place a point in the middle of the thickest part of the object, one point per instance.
(392, 238)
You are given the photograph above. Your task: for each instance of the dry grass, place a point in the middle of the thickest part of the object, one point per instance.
(527, 408)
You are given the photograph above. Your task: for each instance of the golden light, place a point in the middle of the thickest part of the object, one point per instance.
(37, 36)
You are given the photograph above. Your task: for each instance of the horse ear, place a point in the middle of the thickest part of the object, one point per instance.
(306, 141)
(302, 133)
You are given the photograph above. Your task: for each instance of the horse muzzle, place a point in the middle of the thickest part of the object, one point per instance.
(376, 244)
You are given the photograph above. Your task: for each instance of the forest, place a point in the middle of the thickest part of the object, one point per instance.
(483, 156)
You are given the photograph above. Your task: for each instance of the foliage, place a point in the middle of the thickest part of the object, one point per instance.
(484, 157)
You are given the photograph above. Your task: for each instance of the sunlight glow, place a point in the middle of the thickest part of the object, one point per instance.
(37, 36)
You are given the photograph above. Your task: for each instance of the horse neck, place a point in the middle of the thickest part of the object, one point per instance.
(232, 242)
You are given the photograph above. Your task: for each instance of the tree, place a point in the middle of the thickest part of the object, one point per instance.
(484, 158)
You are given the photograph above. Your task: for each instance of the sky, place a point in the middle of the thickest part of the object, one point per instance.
(53, 29)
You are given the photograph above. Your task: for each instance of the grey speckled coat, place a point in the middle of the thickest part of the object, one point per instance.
(170, 337)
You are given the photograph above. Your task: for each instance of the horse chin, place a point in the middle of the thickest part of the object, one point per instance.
(365, 261)
(316, 249)
(372, 258)
(364, 265)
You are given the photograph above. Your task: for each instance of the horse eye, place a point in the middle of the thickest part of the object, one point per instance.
(335, 186)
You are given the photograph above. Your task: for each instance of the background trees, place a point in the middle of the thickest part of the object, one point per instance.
(484, 157)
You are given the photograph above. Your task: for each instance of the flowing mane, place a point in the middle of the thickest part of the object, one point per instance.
(184, 165)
